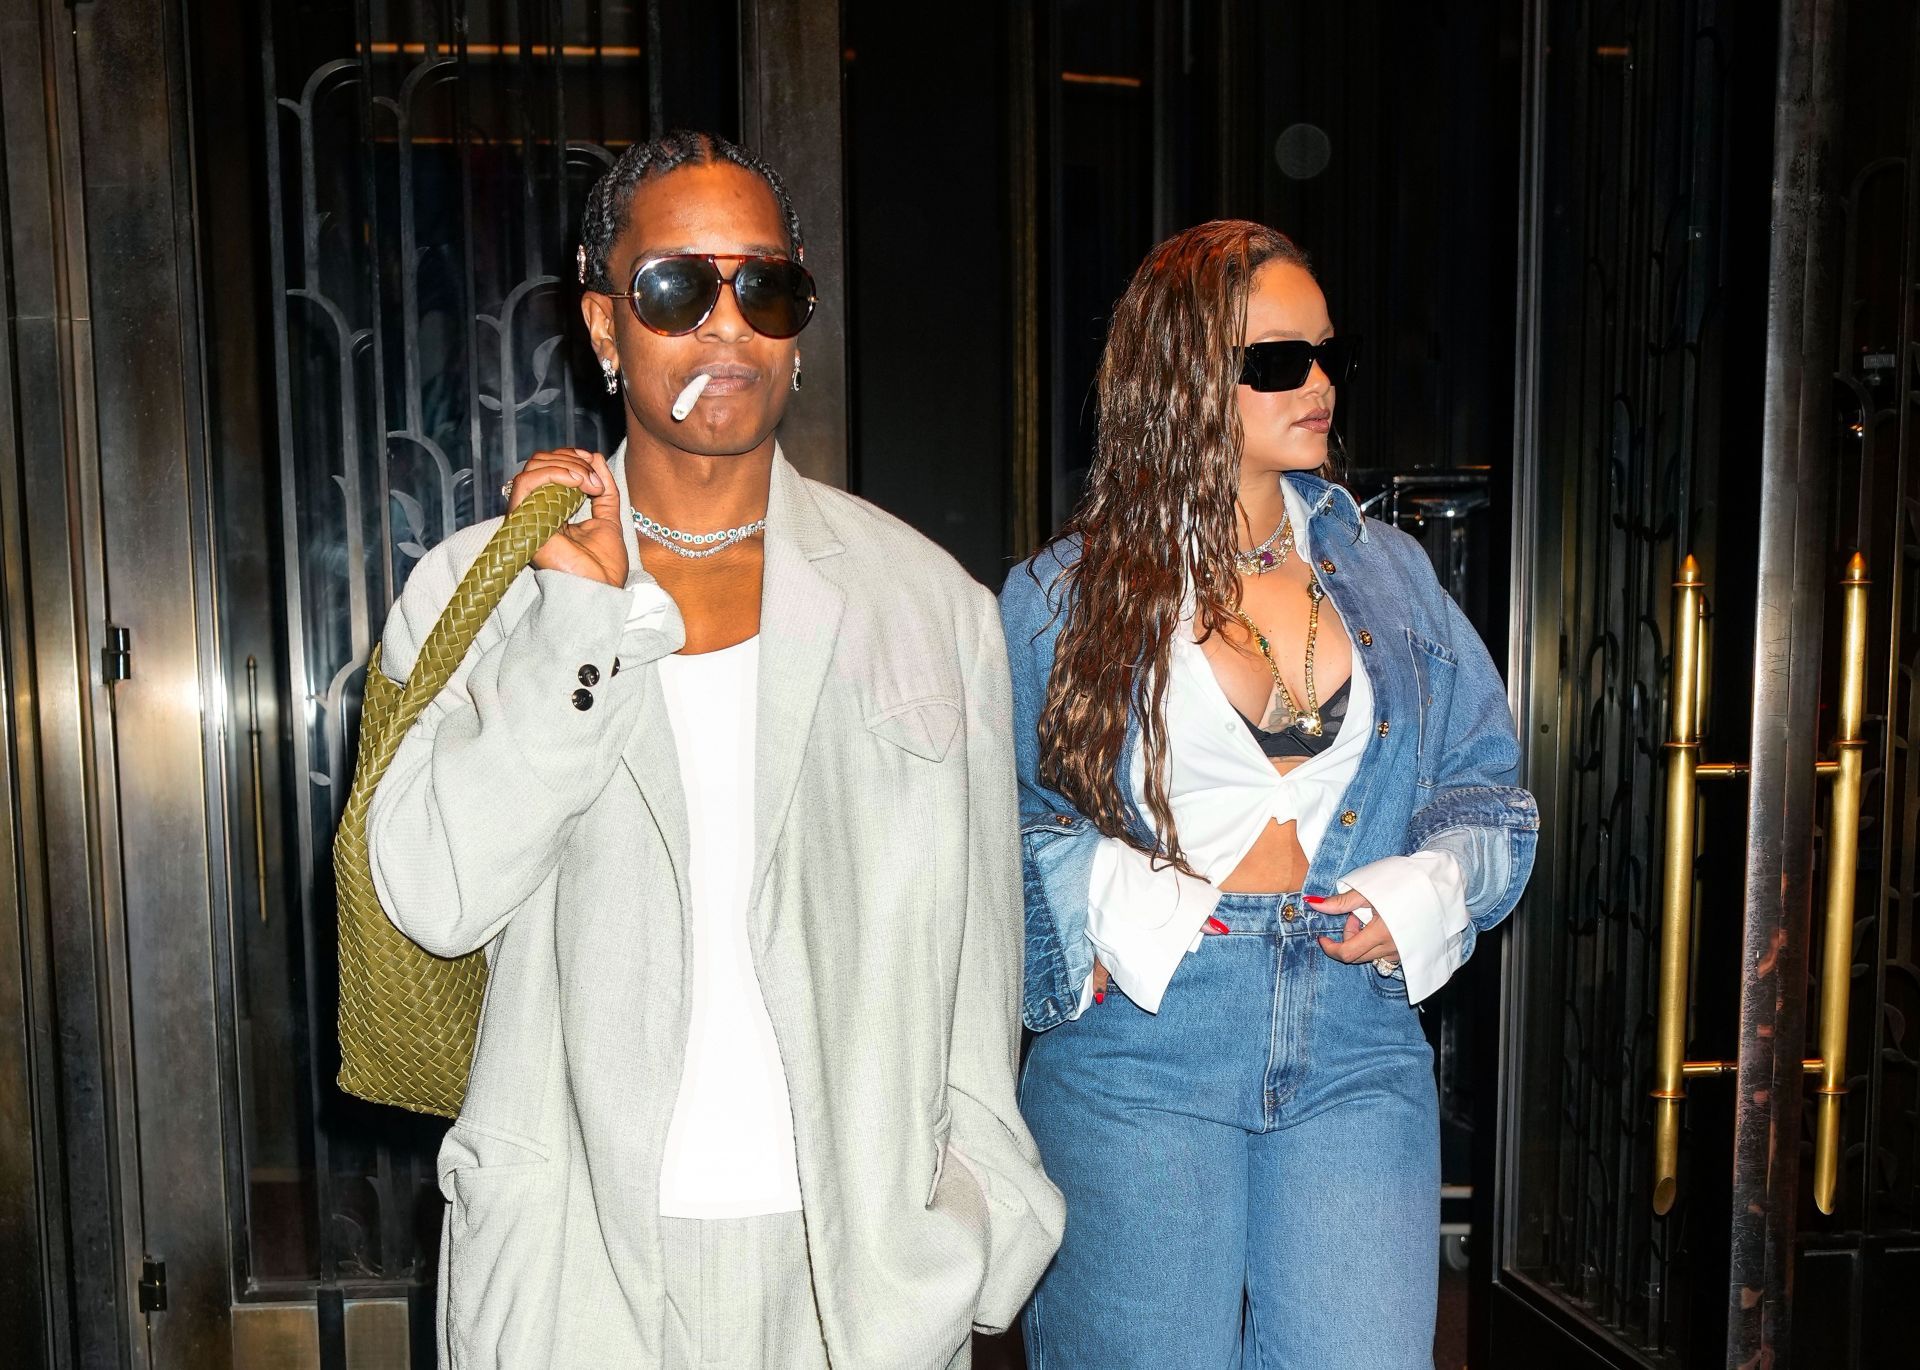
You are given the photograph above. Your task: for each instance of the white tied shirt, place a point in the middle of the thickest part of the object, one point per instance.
(730, 1151)
(1223, 791)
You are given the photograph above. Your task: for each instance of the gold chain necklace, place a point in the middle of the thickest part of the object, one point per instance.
(1282, 711)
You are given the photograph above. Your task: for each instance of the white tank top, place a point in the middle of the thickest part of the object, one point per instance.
(730, 1147)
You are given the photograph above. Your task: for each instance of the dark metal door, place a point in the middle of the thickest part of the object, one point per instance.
(1708, 1059)
(391, 194)
(287, 298)
(396, 191)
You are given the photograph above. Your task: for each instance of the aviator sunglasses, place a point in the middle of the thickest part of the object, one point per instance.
(1286, 364)
(675, 295)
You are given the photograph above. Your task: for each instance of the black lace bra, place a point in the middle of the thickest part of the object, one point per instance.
(1291, 742)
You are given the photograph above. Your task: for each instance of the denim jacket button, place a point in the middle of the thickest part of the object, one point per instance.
(1366, 638)
(1349, 818)
(1326, 564)
(1384, 728)
(1065, 818)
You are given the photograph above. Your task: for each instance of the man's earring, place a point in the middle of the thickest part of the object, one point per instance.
(613, 376)
(580, 259)
(796, 371)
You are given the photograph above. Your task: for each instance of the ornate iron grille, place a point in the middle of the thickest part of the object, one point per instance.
(1881, 1164)
(1639, 223)
(1878, 370)
(425, 166)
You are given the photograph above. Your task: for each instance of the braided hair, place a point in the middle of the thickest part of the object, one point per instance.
(612, 194)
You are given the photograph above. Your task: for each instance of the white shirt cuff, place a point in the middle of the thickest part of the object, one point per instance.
(1142, 920)
(649, 605)
(1423, 899)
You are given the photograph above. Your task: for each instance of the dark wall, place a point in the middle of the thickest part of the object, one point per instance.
(1387, 146)
(1383, 138)
(930, 295)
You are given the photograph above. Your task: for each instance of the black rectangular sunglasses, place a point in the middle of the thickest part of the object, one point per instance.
(1286, 363)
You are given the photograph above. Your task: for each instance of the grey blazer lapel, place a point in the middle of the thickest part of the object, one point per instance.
(654, 763)
(650, 757)
(800, 612)
(618, 464)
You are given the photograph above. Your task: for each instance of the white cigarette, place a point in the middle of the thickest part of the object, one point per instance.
(689, 397)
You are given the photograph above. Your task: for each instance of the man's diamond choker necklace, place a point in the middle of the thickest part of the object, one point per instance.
(702, 544)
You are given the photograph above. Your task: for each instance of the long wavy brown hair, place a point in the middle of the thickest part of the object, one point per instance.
(1161, 505)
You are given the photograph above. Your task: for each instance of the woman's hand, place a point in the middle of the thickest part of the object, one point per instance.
(1372, 941)
(594, 547)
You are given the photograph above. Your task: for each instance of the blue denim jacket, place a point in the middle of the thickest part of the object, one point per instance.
(1441, 777)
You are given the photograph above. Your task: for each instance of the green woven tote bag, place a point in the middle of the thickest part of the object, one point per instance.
(408, 1018)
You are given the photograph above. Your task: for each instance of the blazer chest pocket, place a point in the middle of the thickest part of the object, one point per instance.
(924, 727)
(1433, 672)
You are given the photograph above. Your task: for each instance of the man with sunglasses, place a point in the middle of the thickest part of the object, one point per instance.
(726, 789)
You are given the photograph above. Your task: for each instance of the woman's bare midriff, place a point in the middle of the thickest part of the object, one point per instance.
(1276, 864)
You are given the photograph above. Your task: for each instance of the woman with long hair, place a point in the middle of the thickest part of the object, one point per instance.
(1268, 800)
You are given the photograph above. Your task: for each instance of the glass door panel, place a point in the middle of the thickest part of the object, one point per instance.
(393, 328)
(1722, 385)
(1652, 238)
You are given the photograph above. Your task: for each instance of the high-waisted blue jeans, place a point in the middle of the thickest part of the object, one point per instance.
(1252, 1175)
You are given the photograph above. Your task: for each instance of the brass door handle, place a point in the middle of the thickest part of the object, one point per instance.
(1676, 883)
(1843, 863)
(1685, 772)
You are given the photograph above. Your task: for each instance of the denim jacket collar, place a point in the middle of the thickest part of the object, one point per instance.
(1324, 497)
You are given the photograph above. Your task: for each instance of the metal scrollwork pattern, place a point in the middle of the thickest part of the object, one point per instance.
(425, 171)
(1884, 1136)
(1632, 327)
(1878, 371)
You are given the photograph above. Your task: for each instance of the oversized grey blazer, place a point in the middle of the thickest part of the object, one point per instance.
(885, 922)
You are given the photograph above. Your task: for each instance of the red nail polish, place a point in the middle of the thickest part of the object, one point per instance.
(1099, 996)
(1314, 898)
(1216, 926)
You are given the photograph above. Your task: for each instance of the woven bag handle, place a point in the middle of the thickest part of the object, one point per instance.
(507, 553)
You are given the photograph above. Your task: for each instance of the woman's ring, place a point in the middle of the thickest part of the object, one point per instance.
(506, 491)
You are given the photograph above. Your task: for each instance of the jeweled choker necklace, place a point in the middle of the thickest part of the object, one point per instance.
(702, 544)
(1257, 561)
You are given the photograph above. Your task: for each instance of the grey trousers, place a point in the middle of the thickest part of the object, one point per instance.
(740, 1294)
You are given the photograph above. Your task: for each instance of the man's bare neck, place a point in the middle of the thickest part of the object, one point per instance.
(694, 493)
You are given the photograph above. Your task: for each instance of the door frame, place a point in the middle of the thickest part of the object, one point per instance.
(115, 962)
(114, 891)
